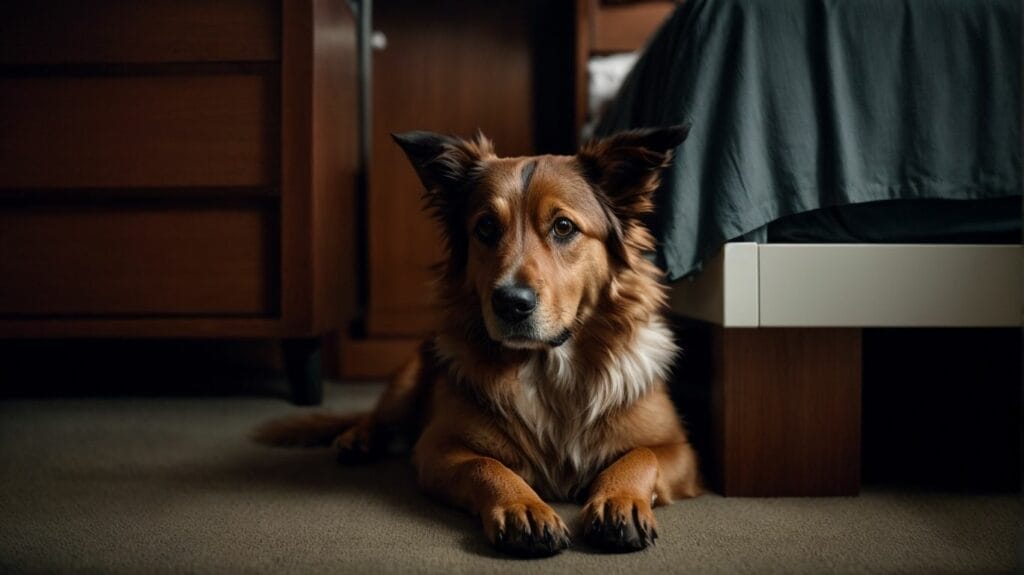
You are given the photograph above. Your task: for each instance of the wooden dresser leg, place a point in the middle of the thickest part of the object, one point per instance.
(302, 364)
(786, 404)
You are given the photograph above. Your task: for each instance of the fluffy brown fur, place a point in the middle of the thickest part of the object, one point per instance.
(561, 393)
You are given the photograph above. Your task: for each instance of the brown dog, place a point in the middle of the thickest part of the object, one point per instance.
(546, 379)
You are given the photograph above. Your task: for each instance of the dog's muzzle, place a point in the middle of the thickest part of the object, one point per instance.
(514, 306)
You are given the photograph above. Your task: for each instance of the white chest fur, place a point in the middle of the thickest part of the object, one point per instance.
(561, 402)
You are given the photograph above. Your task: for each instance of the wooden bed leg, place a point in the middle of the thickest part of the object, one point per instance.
(786, 408)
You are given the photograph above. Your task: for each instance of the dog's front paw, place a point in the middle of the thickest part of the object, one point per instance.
(619, 524)
(530, 529)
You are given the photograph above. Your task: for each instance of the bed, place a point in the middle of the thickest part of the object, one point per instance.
(851, 164)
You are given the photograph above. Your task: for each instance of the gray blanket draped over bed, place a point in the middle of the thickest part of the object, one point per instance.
(798, 105)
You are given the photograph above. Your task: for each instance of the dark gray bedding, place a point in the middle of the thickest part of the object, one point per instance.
(917, 221)
(804, 105)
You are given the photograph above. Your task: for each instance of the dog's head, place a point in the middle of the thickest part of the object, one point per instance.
(536, 242)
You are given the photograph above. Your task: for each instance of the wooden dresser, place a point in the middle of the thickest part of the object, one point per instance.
(178, 168)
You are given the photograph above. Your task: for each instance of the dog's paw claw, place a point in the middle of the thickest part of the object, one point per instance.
(527, 530)
(619, 524)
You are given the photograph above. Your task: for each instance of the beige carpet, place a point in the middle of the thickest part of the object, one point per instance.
(172, 485)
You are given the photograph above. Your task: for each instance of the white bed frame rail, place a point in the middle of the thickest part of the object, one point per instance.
(857, 285)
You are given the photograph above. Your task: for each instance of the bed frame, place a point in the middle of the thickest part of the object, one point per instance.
(786, 345)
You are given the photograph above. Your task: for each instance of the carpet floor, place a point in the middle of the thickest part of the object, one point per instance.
(172, 484)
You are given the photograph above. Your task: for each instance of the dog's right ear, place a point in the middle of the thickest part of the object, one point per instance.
(443, 164)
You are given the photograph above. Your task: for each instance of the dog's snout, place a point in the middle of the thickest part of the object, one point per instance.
(514, 303)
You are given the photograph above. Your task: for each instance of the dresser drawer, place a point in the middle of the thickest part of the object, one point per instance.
(141, 260)
(132, 31)
(150, 131)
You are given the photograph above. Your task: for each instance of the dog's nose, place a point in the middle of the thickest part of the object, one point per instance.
(514, 303)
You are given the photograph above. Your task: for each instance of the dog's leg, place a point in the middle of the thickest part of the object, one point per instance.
(618, 515)
(515, 519)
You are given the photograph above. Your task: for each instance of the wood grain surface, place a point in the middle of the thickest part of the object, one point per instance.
(159, 131)
(137, 260)
(34, 32)
(786, 407)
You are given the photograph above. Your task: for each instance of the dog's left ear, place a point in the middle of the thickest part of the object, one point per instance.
(627, 167)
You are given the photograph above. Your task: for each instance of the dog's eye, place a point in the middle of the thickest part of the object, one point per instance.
(563, 228)
(487, 229)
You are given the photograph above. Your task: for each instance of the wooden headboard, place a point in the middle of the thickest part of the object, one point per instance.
(607, 28)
